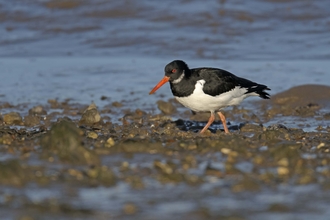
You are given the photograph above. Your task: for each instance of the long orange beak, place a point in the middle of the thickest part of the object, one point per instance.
(161, 82)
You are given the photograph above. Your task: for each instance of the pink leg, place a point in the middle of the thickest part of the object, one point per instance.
(211, 120)
(223, 119)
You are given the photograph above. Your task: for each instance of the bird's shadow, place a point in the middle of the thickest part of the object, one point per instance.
(197, 126)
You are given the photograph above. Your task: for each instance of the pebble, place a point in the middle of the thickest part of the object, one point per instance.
(37, 110)
(90, 115)
(92, 135)
(130, 209)
(31, 120)
(110, 142)
(166, 107)
(282, 171)
(117, 104)
(13, 118)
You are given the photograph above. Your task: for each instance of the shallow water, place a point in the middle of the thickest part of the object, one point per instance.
(106, 51)
(125, 79)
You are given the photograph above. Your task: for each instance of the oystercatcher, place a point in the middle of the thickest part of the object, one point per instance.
(208, 89)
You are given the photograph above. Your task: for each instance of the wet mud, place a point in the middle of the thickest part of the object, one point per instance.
(70, 148)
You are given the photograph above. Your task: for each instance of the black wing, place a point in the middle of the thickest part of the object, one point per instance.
(219, 81)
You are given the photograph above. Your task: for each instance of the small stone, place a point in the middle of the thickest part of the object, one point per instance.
(117, 104)
(110, 142)
(225, 150)
(76, 173)
(129, 208)
(103, 98)
(321, 145)
(6, 139)
(92, 173)
(37, 110)
(90, 115)
(124, 166)
(326, 116)
(284, 162)
(163, 167)
(258, 159)
(102, 174)
(31, 120)
(53, 103)
(166, 107)
(282, 171)
(306, 179)
(139, 112)
(92, 135)
(13, 118)
(246, 184)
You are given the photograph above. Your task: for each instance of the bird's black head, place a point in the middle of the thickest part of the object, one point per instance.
(175, 69)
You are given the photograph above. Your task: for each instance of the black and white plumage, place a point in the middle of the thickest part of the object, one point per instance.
(208, 89)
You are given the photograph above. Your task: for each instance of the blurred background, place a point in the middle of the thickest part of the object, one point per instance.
(86, 49)
(213, 29)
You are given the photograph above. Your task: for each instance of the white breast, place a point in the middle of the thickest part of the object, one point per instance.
(198, 101)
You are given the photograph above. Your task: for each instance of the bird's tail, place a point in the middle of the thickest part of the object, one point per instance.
(260, 90)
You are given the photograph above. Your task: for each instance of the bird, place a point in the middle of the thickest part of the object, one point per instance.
(208, 89)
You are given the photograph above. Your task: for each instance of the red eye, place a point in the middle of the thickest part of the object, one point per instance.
(173, 70)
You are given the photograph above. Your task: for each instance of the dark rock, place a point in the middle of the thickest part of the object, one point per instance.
(325, 116)
(64, 140)
(276, 127)
(103, 98)
(31, 120)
